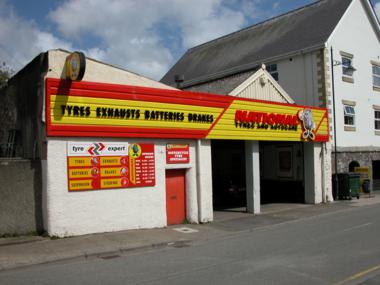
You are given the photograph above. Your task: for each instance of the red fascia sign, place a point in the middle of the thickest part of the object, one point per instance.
(90, 109)
(177, 153)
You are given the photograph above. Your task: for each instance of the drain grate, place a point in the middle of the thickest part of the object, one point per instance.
(185, 230)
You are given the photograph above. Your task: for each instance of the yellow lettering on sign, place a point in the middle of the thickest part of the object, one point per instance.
(79, 161)
(130, 113)
(80, 184)
(110, 183)
(80, 173)
(108, 172)
(109, 160)
(227, 127)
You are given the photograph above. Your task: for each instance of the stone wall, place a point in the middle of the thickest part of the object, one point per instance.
(20, 197)
(364, 158)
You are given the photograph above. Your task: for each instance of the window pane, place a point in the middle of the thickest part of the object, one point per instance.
(347, 71)
(377, 114)
(272, 67)
(346, 61)
(376, 81)
(348, 110)
(349, 120)
(275, 75)
(376, 70)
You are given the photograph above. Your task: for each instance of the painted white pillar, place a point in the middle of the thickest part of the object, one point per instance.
(252, 170)
(328, 171)
(313, 173)
(204, 181)
(191, 194)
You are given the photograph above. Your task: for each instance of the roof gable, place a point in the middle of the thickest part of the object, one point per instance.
(302, 29)
(262, 86)
(370, 14)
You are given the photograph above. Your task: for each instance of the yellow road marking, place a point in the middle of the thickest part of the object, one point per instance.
(358, 275)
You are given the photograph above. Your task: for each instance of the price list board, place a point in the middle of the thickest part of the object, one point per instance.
(98, 166)
(143, 166)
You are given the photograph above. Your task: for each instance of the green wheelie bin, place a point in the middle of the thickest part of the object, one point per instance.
(348, 186)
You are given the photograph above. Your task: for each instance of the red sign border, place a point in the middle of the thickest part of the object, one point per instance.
(127, 92)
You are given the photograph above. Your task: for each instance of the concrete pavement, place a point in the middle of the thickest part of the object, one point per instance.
(30, 250)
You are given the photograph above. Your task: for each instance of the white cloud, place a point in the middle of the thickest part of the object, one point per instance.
(141, 36)
(134, 34)
(22, 40)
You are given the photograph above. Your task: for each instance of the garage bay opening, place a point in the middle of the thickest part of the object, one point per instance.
(228, 175)
(281, 172)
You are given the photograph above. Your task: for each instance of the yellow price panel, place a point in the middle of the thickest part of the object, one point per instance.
(110, 160)
(80, 161)
(75, 185)
(80, 173)
(111, 183)
(111, 171)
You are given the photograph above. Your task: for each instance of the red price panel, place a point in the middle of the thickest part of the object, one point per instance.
(177, 153)
(142, 164)
(136, 168)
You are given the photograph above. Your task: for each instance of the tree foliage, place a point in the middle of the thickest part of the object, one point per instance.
(5, 73)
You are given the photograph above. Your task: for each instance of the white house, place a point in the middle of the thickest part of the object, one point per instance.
(310, 52)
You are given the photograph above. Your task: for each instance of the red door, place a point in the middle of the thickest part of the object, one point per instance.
(175, 196)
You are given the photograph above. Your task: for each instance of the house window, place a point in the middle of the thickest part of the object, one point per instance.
(349, 116)
(377, 120)
(346, 66)
(376, 76)
(272, 69)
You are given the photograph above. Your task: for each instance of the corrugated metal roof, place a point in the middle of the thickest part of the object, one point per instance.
(302, 29)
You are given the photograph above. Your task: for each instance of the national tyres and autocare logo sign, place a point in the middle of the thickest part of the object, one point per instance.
(101, 165)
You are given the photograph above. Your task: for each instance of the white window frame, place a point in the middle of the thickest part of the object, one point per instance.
(349, 112)
(374, 75)
(346, 65)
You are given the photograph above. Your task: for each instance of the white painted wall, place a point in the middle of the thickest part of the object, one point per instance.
(99, 72)
(356, 36)
(262, 86)
(76, 213)
(204, 181)
(84, 212)
(252, 169)
(298, 76)
(313, 173)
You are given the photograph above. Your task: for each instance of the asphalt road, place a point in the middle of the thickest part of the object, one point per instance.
(333, 248)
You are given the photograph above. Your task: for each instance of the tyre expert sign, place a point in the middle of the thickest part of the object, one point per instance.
(177, 153)
(100, 165)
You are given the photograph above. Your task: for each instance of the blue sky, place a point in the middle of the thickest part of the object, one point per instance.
(143, 36)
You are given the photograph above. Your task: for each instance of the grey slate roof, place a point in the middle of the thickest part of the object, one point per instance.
(299, 30)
